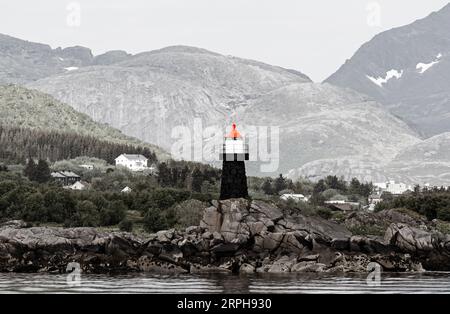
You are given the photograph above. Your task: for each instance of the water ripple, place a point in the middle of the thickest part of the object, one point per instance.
(220, 283)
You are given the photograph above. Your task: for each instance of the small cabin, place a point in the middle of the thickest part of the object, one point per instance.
(65, 177)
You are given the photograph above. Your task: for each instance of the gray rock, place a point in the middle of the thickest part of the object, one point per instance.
(341, 244)
(282, 265)
(271, 212)
(247, 268)
(165, 235)
(17, 224)
(309, 258)
(306, 266)
(268, 241)
(207, 235)
(409, 239)
(211, 219)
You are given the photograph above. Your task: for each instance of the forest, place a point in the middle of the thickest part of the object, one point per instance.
(19, 144)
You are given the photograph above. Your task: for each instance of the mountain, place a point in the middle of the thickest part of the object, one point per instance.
(407, 69)
(321, 122)
(324, 129)
(425, 162)
(23, 61)
(31, 109)
(150, 94)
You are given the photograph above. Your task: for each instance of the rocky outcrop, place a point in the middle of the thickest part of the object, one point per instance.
(233, 236)
(431, 248)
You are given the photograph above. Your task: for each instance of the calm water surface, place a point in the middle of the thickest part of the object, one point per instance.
(220, 283)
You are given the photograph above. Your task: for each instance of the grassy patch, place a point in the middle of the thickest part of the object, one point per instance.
(443, 227)
(410, 213)
(368, 230)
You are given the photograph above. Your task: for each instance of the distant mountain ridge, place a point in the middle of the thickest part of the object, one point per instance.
(23, 61)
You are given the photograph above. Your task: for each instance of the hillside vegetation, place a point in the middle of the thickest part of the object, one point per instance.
(30, 109)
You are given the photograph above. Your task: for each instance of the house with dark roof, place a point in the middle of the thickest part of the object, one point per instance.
(65, 177)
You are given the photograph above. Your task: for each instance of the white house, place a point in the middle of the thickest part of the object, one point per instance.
(393, 187)
(295, 197)
(127, 189)
(78, 186)
(132, 162)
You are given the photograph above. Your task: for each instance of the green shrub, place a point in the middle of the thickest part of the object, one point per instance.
(34, 209)
(113, 213)
(368, 230)
(444, 214)
(324, 212)
(154, 220)
(86, 215)
(189, 213)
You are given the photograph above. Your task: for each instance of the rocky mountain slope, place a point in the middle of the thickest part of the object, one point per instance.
(150, 94)
(427, 161)
(333, 130)
(408, 70)
(20, 107)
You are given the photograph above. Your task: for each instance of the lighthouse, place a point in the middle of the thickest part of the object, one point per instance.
(234, 154)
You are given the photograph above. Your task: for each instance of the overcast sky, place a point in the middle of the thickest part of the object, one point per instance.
(314, 36)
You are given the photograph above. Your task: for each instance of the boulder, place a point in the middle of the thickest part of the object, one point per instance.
(308, 266)
(268, 241)
(165, 235)
(341, 244)
(282, 264)
(309, 258)
(247, 269)
(15, 224)
(265, 209)
(211, 219)
(409, 239)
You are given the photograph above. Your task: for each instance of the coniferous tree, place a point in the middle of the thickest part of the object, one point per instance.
(197, 180)
(42, 172)
(279, 184)
(30, 169)
(267, 187)
(164, 175)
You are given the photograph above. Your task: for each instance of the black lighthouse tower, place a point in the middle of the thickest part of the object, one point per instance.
(234, 154)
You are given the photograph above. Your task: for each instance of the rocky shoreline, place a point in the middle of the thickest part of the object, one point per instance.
(235, 236)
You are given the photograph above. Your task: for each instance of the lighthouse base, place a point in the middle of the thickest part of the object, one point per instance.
(234, 180)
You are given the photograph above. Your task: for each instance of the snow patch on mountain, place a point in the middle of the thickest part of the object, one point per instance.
(389, 75)
(423, 67)
(71, 69)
